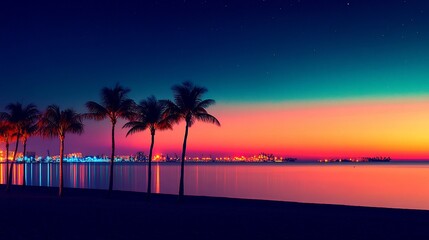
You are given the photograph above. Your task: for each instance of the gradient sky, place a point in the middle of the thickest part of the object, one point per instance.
(303, 78)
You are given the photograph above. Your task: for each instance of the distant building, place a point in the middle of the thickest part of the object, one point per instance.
(3, 155)
(31, 155)
(74, 155)
(140, 156)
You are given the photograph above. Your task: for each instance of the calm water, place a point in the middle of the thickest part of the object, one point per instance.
(397, 185)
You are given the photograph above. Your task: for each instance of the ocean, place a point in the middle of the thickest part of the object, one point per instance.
(390, 184)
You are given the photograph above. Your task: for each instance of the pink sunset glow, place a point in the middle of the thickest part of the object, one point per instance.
(395, 127)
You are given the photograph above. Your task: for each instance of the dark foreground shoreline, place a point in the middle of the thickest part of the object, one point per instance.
(37, 213)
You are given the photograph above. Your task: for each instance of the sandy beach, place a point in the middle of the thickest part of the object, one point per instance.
(37, 213)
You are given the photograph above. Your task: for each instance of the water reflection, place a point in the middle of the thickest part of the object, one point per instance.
(2, 173)
(158, 179)
(388, 185)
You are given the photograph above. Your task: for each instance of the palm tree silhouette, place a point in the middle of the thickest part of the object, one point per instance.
(6, 132)
(149, 116)
(28, 130)
(55, 122)
(188, 105)
(114, 105)
(18, 116)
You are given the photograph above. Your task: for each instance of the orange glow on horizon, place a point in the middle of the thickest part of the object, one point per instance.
(390, 127)
(395, 127)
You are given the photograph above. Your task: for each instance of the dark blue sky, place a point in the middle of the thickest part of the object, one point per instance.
(243, 51)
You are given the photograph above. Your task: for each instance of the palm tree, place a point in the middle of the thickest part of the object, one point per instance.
(150, 116)
(18, 116)
(55, 122)
(114, 105)
(29, 129)
(6, 135)
(188, 105)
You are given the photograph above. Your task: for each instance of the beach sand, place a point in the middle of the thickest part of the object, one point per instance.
(37, 213)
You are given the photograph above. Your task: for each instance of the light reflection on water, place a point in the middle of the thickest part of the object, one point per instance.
(399, 185)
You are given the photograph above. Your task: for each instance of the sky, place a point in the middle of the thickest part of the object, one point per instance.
(303, 78)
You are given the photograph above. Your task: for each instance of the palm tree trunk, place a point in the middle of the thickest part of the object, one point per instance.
(61, 184)
(23, 166)
(149, 172)
(112, 159)
(7, 161)
(9, 181)
(182, 166)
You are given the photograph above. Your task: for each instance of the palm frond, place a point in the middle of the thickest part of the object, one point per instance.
(189, 105)
(96, 111)
(172, 113)
(71, 121)
(127, 109)
(49, 122)
(136, 129)
(31, 112)
(164, 125)
(136, 123)
(75, 127)
(20, 117)
(4, 116)
(114, 104)
(206, 103)
(6, 130)
(205, 117)
(29, 130)
(55, 122)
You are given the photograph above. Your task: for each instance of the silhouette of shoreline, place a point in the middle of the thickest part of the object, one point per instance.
(87, 214)
(356, 160)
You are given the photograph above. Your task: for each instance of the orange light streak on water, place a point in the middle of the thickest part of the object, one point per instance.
(17, 174)
(82, 174)
(74, 173)
(3, 173)
(158, 179)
